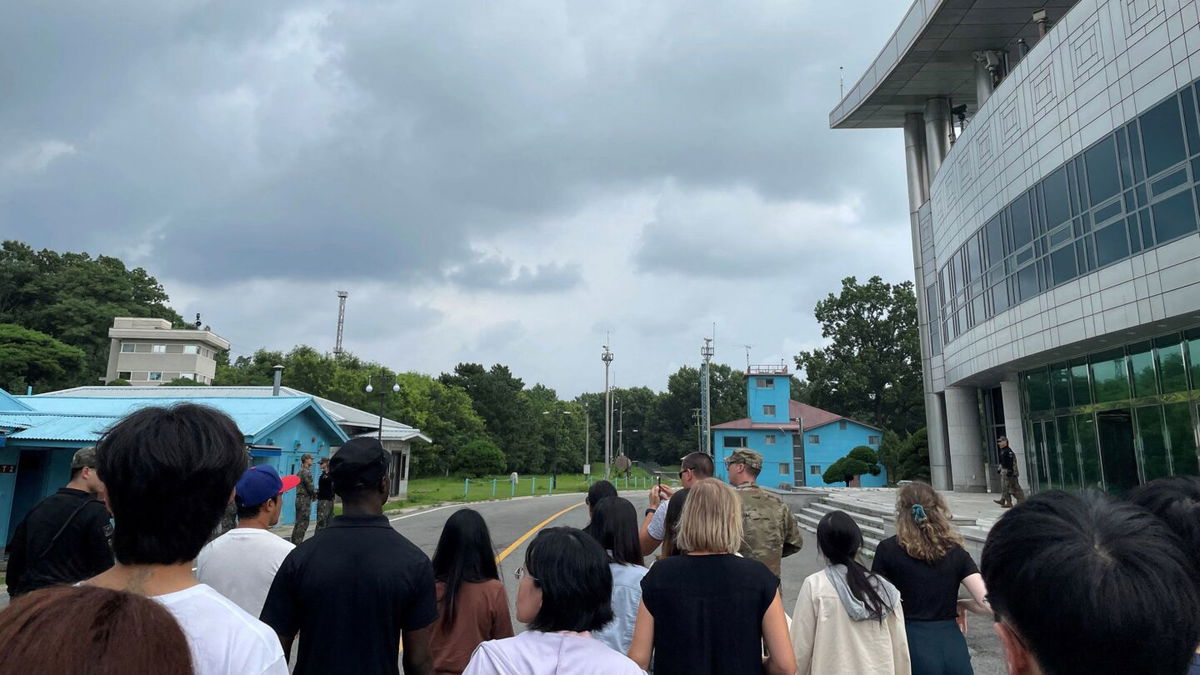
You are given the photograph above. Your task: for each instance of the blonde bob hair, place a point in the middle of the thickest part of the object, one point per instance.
(712, 519)
(923, 526)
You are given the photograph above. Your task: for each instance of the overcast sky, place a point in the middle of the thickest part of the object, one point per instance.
(491, 182)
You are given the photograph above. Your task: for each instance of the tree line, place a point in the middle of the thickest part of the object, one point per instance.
(56, 308)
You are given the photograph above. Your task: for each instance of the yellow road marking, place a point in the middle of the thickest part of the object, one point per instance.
(505, 553)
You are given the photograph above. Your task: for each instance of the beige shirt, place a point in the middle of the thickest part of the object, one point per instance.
(827, 641)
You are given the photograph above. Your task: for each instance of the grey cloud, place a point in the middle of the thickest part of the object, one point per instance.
(491, 273)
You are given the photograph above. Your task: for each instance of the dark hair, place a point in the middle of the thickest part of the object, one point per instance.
(599, 490)
(615, 526)
(75, 473)
(839, 539)
(572, 572)
(1176, 501)
(169, 473)
(1093, 585)
(91, 630)
(699, 463)
(252, 511)
(671, 523)
(464, 555)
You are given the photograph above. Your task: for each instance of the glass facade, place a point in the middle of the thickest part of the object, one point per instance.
(1115, 419)
(1130, 191)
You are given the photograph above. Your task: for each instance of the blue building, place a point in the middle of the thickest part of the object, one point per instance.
(39, 434)
(798, 442)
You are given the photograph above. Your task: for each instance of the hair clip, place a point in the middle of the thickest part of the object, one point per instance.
(918, 513)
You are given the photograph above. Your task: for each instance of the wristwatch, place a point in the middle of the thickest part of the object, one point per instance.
(650, 512)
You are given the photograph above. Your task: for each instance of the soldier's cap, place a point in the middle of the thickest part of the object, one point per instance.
(84, 457)
(260, 483)
(359, 463)
(305, 456)
(748, 457)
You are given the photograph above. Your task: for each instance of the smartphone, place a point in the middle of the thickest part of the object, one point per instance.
(660, 480)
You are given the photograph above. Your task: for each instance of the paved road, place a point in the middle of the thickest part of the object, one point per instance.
(512, 519)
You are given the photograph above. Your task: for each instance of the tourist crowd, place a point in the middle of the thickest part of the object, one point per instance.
(1075, 583)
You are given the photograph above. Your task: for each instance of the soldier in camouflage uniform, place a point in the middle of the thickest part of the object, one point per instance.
(770, 532)
(304, 496)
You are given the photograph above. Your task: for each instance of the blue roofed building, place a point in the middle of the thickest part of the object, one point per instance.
(798, 441)
(39, 434)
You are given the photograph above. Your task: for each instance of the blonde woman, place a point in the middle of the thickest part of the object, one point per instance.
(708, 610)
(926, 562)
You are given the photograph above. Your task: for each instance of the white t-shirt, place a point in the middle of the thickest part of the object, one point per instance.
(241, 564)
(658, 524)
(225, 640)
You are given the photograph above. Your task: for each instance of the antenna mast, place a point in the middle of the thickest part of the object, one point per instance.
(337, 347)
(706, 396)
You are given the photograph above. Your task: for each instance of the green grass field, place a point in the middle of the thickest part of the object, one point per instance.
(428, 491)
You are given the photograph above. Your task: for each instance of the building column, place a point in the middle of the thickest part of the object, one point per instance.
(983, 79)
(939, 458)
(1014, 427)
(964, 434)
(915, 163)
(938, 127)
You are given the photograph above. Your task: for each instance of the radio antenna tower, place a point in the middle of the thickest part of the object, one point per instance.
(706, 397)
(337, 347)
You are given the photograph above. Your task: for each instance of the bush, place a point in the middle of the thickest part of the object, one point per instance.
(479, 458)
(861, 459)
(118, 383)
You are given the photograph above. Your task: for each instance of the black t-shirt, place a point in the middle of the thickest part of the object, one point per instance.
(349, 592)
(708, 612)
(325, 487)
(928, 591)
(36, 559)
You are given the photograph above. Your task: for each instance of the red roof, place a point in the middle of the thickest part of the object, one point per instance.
(812, 417)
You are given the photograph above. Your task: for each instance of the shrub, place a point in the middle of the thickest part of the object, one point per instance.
(479, 458)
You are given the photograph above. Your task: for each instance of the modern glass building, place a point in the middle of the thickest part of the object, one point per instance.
(1053, 163)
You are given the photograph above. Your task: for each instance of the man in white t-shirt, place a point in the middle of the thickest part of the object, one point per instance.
(241, 564)
(169, 473)
(692, 468)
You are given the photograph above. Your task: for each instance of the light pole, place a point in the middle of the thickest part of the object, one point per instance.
(706, 395)
(607, 358)
(382, 399)
(557, 451)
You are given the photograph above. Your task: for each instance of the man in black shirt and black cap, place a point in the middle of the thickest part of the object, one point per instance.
(324, 496)
(65, 537)
(351, 592)
(1010, 484)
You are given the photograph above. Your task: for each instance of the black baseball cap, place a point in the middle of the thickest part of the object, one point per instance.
(359, 463)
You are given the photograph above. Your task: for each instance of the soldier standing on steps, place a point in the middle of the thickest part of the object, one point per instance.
(304, 496)
(1010, 485)
(770, 532)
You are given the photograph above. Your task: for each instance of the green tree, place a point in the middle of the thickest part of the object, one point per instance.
(871, 369)
(479, 458)
(860, 460)
(182, 382)
(29, 358)
(74, 297)
(889, 455)
(500, 399)
(118, 383)
(914, 457)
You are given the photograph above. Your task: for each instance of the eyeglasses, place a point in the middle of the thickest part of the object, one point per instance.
(521, 573)
(683, 471)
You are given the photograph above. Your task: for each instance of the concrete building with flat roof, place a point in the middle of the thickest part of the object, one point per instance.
(150, 352)
(1053, 160)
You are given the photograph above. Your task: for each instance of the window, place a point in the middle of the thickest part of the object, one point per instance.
(1102, 178)
(872, 440)
(814, 439)
(189, 376)
(764, 382)
(1111, 244)
(124, 375)
(815, 469)
(842, 425)
(127, 347)
(768, 410)
(174, 349)
(735, 442)
(155, 376)
(159, 349)
(770, 439)
(785, 469)
(1174, 216)
(191, 349)
(1162, 136)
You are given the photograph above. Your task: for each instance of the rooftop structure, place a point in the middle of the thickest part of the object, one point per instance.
(149, 351)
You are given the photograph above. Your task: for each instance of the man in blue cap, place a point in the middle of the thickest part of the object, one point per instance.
(241, 564)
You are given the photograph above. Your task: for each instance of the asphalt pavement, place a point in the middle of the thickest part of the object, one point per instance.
(511, 520)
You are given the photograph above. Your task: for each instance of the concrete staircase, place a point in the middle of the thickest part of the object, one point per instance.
(870, 519)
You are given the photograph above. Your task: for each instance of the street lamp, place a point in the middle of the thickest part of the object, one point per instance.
(382, 398)
(557, 451)
(607, 358)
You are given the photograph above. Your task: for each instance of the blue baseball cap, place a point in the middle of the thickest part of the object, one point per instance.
(262, 482)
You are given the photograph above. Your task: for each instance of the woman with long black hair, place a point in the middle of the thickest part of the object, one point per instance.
(472, 604)
(847, 619)
(615, 527)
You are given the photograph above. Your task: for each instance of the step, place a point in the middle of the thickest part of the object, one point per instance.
(871, 526)
(860, 517)
(870, 539)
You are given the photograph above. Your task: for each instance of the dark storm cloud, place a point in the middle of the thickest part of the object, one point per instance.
(327, 140)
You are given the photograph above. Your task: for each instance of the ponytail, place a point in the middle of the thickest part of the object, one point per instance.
(840, 539)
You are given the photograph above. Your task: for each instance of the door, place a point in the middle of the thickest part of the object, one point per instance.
(31, 483)
(1115, 430)
(799, 472)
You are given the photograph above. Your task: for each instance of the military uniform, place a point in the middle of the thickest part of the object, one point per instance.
(1010, 484)
(769, 530)
(324, 500)
(304, 496)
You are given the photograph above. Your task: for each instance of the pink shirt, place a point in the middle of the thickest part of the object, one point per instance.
(535, 653)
